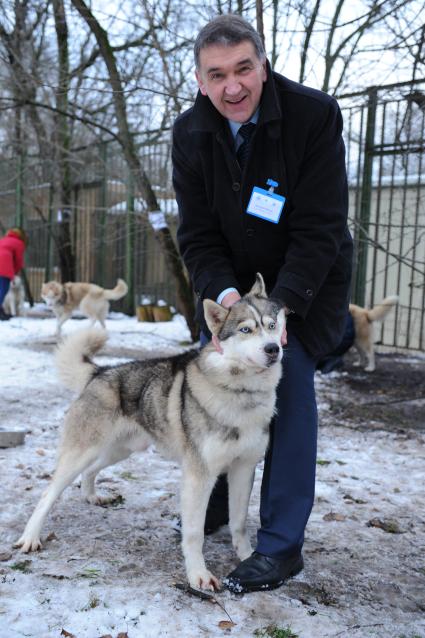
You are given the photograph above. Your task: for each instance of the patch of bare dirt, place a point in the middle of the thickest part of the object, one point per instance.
(392, 398)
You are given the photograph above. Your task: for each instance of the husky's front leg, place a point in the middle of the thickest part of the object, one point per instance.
(13, 309)
(60, 321)
(70, 465)
(195, 492)
(240, 477)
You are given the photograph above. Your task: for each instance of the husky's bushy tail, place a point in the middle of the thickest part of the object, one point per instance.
(119, 291)
(380, 311)
(73, 361)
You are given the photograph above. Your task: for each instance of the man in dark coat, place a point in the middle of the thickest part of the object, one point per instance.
(302, 249)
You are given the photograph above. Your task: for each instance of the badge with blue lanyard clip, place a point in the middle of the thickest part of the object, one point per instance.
(266, 204)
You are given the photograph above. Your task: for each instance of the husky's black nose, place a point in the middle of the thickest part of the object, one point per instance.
(272, 351)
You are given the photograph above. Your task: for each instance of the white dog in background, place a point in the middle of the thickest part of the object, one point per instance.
(91, 300)
(363, 329)
(13, 303)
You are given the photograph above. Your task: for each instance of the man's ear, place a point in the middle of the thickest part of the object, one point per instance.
(259, 288)
(215, 315)
(200, 82)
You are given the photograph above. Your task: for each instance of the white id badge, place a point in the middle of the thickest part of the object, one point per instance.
(265, 204)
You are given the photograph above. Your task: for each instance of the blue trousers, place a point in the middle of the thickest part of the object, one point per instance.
(287, 490)
(4, 287)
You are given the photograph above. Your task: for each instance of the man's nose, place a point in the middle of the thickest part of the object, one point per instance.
(233, 86)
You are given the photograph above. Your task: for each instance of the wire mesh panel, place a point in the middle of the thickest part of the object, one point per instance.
(111, 234)
(385, 162)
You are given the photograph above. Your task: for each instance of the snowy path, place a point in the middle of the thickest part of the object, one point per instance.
(111, 570)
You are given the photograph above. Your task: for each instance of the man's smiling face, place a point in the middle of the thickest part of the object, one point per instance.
(232, 77)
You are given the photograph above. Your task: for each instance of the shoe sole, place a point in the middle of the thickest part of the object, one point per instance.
(236, 587)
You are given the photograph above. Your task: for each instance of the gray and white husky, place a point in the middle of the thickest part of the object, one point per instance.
(208, 409)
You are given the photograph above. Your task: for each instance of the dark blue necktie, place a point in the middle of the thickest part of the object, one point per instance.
(245, 131)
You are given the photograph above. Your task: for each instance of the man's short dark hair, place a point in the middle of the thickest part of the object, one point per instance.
(227, 30)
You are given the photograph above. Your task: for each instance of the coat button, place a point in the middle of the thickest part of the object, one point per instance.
(309, 292)
(250, 232)
(236, 186)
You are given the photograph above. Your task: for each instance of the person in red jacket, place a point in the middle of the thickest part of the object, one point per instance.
(12, 248)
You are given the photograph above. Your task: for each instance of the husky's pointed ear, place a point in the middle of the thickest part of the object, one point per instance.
(215, 315)
(259, 288)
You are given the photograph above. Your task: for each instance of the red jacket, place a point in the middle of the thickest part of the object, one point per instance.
(12, 249)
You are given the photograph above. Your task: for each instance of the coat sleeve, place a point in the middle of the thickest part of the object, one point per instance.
(202, 245)
(318, 218)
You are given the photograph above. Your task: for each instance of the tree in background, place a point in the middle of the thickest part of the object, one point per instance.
(126, 140)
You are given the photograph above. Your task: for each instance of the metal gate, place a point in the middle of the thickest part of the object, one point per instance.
(384, 131)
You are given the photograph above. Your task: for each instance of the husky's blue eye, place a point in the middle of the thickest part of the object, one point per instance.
(272, 325)
(245, 329)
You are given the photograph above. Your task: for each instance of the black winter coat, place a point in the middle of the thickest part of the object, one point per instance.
(305, 259)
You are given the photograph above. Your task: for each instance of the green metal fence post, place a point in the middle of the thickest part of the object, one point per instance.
(103, 151)
(129, 247)
(49, 259)
(362, 230)
(19, 210)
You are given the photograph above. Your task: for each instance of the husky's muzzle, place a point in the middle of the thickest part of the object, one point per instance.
(272, 351)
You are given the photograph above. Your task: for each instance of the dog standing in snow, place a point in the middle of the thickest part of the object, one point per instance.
(92, 300)
(363, 329)
(208, 409)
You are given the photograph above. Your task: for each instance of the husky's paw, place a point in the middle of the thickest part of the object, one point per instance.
(203, 579)
(28, 544)
(96, 499)
(369, 369)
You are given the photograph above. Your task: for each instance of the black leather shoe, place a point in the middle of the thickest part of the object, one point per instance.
(260, 573)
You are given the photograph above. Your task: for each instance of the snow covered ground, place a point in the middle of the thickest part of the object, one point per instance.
(110, 571)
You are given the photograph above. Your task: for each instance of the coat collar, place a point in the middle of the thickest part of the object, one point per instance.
(206, 119)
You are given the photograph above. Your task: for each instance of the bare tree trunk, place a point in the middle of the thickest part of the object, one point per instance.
(14, 42)
(260, 22)
(162, 232)
(66, 253)
(306, 43)
(274, 53)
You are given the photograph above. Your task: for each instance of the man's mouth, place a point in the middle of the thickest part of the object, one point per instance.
(238, 101)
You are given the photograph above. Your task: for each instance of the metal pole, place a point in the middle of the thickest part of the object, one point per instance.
(49, 260)
(19, 212)
(103, 202)
(362, 231)
(129, 247)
